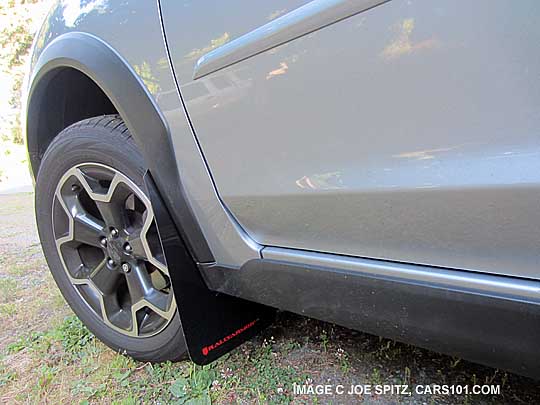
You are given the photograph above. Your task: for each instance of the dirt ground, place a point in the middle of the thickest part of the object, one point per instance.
(47, 356)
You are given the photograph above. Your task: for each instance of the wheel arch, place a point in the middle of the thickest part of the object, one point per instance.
(86, 62)
(113, 87)
(63, 96)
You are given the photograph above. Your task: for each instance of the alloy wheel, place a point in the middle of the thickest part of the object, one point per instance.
(110, 249)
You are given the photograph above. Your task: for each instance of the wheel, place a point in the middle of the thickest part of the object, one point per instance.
(100, 239)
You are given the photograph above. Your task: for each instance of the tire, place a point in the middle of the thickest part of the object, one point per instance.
(104, 145)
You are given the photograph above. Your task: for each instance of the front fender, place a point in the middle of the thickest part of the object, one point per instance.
(126, 91)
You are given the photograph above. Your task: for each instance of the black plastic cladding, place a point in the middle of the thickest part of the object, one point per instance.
(135, 105)
(498, 331)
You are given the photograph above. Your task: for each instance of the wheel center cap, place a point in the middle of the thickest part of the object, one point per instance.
(114, 249)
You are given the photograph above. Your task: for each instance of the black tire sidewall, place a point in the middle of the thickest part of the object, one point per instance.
(97, 144)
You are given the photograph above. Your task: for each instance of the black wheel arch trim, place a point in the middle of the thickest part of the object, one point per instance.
(102, 64)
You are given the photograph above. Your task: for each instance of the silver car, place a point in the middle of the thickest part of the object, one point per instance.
(371, 163)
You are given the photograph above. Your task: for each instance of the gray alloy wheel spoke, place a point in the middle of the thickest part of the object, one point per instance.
(139, 282)
(141, 246)
(87, 229)
(113, 213)
(158, 299)
(105, 279)
(112, 265)
(111, 204)
(142, 288)
(137, 245)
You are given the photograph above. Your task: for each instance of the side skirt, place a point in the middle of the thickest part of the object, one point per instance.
(493, 320)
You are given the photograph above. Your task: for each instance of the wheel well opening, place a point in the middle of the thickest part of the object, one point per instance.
(61, 98)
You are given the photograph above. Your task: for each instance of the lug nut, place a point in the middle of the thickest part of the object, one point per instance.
(111, 263)
(103, 241)
(114, 232)
(126, 268)
(75, 188)
(127, 248)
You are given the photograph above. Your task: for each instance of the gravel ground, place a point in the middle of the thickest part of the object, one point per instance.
(39, 365)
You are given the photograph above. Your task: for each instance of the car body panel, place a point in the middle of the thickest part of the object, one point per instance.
(305, 19)
(408, 132)
(117, 24)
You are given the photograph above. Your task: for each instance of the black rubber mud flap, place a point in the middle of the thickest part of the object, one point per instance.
(213, 323)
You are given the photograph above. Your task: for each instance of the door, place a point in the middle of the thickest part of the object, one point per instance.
(407, 132)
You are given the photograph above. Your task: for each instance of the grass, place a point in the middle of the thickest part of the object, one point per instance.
(8, 289)
(95, 373)
(48, 356)
(66, 363)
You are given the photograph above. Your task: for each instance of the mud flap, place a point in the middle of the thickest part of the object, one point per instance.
(213, 323)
